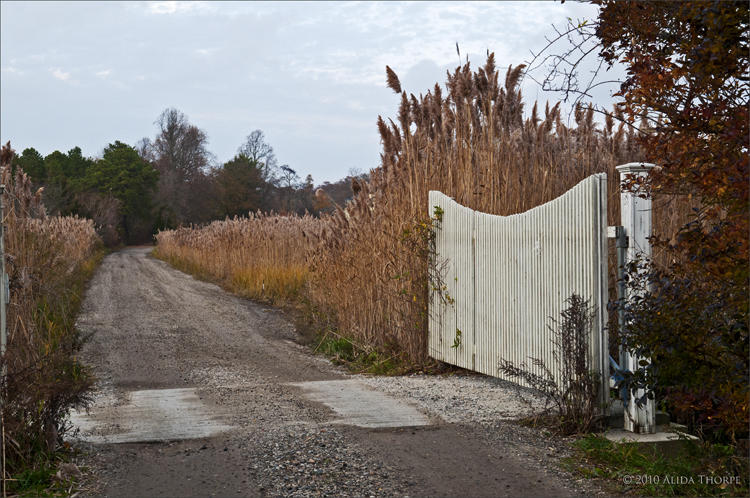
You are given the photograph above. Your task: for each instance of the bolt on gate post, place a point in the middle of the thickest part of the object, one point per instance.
(636, 220)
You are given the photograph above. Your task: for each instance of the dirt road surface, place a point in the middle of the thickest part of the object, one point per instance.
(202, 393)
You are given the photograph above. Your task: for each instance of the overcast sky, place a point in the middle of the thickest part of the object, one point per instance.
(310, 75)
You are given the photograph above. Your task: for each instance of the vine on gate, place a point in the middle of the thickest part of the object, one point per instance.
(428, 286)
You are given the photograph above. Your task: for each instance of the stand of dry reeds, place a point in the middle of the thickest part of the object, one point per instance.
(261, 257)
(46, 259)
(474, 145)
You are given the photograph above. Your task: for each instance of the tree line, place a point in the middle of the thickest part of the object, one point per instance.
(133, 191)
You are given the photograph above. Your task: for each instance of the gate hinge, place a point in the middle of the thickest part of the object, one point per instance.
(618, 233)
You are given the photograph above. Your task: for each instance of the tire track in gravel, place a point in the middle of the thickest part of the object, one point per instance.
(155, 328)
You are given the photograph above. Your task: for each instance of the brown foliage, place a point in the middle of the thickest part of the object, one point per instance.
(45, 257)
(688, 66)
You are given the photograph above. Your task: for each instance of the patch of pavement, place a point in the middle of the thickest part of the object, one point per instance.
(147, 416)
(358, 405)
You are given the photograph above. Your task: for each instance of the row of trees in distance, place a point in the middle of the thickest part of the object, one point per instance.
(132, 191)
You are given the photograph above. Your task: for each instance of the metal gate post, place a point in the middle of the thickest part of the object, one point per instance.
(636, 220)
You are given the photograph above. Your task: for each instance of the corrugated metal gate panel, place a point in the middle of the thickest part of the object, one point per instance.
(509, 274)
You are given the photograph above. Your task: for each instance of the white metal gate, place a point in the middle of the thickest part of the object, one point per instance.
(506, 275)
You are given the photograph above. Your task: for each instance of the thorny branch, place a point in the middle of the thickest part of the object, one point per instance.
(563, 70)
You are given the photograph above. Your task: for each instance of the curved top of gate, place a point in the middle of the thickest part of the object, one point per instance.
(593, 181)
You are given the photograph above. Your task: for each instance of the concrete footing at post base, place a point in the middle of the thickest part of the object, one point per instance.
(667, 440)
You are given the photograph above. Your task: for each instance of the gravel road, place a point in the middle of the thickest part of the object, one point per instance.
(201, 393)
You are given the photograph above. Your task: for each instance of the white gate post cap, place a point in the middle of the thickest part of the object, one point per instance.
(629, 168)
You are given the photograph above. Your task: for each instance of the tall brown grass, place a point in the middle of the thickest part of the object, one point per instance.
(474, 145)
(261, 257)
(366, 264)
(47, 259)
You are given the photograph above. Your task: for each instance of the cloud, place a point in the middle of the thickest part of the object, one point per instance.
(177, 7)
(103, 73)
(57, 73)
(28, 58)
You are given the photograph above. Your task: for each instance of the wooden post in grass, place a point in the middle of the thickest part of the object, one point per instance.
(636, 220)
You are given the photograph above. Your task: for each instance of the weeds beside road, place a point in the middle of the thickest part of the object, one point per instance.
(48, 261)
(698, 469)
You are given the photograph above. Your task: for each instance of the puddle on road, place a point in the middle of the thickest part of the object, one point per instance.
(154, 415)
(357, 405)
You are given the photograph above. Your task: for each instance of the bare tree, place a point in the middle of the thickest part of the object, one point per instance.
(358, 173)
(105, 211)
(257, 150)
(288, 189)
(289, 178)
(573, 49)
(180, 153)
(145, 149)
(180, 146)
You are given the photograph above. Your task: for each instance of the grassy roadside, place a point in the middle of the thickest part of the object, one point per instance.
(359, 359)
(33, 464)
(277, 286)
(380, 361)
(51, 477)
(627, 469)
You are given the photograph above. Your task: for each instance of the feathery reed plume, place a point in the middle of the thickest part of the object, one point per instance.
(392, 80)
(355, 186)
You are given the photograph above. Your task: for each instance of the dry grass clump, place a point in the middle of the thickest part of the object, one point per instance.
(473, 144)
(261, 257)
(47, 259)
